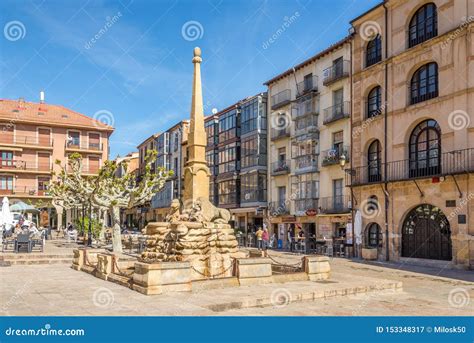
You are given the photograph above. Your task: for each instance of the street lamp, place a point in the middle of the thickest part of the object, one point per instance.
(342, 161)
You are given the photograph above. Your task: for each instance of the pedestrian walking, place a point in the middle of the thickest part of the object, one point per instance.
(265, 241)
(259, 235)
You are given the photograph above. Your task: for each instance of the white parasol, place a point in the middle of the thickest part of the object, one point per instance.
(6, 216)
(358, 227)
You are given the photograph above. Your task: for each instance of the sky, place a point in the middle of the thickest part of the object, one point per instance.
(128, 62)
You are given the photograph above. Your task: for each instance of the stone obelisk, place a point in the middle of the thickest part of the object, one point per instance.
(196, 171)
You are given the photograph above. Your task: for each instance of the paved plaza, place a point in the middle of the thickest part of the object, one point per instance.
(56, 289)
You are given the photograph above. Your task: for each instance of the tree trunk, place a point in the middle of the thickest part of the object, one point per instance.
(100, 219)
(116, 234)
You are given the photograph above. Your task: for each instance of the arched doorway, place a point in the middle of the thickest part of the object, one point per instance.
(426, 234)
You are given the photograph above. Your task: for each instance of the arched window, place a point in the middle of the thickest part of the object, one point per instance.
(373, 235)
(423, 25)
(374, 162)
(374, 102)
(374, 51)
(424, 83)
(425, 149)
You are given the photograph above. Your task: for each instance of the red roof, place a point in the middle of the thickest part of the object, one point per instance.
(19, 111)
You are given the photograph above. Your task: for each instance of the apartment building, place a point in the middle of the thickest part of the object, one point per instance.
(35, 135)
(412, 131)
(171, 148)
(127, 216)
(237, 157)
(309, 136)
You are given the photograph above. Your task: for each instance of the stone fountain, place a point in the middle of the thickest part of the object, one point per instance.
(195, 231)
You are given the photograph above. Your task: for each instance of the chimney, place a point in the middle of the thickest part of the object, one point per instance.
(42, 97)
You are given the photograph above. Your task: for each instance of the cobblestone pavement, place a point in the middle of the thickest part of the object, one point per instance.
(59, 290)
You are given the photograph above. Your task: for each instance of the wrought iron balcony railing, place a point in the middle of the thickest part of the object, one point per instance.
(306, 163)
(278, 133)
(309, 84)
(302, 206)
(278, 208)
(281, 99)
(337, 204)
(256, 195)
(84, 146)
(336, 72)
(18, 165)
(24, 191)
(309, 106)
(281, 167)
(448, 163)
(336, 112)
(26, 140)
(333, 156)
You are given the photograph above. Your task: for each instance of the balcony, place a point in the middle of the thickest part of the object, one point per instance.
(365, 175)
(336, 72)
(27, 141)
(281, 167)
(24, 192)
(304, 108)
(280, 133)
(337, 112)
(86, 170)
(84, 147)
(332, 156)
(278, 208)
(281, 99)
(335, 205)
(256, 195)
(449, 163)
(308, 85)
(303, 206)
(306, 164)
(17, 166)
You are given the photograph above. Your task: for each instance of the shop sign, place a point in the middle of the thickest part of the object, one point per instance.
(288, 219)
(311, 212)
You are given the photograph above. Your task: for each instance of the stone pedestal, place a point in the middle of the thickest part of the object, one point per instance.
(369, 254)
(317, 267)
(254, 271)
(105, 264)
(79, 258)
(160, 277)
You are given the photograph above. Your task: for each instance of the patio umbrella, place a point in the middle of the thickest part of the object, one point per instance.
(20, 206)
(358, 227)
(6, 216)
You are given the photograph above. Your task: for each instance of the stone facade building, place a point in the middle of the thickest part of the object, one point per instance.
(412, 130)
(309, 129)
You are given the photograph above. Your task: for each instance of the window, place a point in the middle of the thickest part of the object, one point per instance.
(94, 141)
(176, 141)
(43, 185)
(211, 132)
(373, 236)
(374, 162)
(253, 187)
(254, 152)
(423, 25)
(228, 126)
(308, 82)
(281, 154)
(425, 149)
(374, 102)
(6, 183)
(228, 158)
(338, 65)
(6, 159)
(338, 192)
(374, 51)
(74, 138)
(424, 83)
(338, 142)
(282, 196)
(228, 192)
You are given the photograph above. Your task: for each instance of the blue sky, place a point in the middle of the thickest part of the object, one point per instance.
(139, 68)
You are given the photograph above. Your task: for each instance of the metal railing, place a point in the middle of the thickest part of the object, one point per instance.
(84, 146)
(452, 162)
(278, 208)
(336, 112)
(85, 169)
(280, 133)
(256, 195)
(335, 72)
(332, 156)
(303, 205)
(18, 165)
(304, 108)
(281, 167)
(337, 204)
(307, 85)
(25, 140)
(24, 191)
(281, 99)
